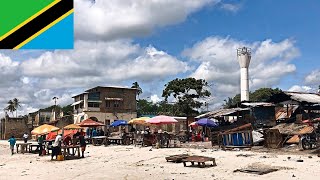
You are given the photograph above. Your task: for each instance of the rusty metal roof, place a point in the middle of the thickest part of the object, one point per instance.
(293, 129)
(312, 98)
(282, 112)
(295, 139)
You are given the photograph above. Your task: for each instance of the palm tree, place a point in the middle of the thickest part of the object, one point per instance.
(16, 105)
(136, 85)
(11, 107)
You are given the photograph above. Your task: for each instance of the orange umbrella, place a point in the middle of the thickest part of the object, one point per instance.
(72, 126)
(44, 129)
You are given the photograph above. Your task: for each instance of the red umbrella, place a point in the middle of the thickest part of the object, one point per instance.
(90, 123)
(158, 120)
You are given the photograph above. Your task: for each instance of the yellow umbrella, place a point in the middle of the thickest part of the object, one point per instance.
(44, 129)
(72, 126)
(139, 121)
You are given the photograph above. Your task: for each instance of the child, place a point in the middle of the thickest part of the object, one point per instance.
(12, 141)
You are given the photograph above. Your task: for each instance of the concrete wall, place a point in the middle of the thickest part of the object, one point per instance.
(14, 126)
(106, 116)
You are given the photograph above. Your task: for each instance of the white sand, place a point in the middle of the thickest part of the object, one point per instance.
(129, 162)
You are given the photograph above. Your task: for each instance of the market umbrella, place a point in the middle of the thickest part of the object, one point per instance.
(117, 123)
(206, 122)
(90, 123)
(159, 120)
(44, 129)
(72, 126)
(139, 121)
(193, 124)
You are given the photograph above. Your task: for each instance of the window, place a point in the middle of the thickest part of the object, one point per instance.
(94, 96)
(113, 104)
(108, 104)
(92, 104)
(116, 104)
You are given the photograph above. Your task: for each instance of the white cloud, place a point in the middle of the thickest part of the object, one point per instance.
(217, 59)
(94, 63)
(110, 19)
(313, 78)
(154, 98)
(231, 7)
(297, 88)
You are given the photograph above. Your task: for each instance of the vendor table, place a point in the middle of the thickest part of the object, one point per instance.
(37, 146)
(115, 140)
(99, 140)
(23, 147)
(66, 151)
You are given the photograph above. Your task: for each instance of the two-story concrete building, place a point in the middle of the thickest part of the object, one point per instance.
(105, 104)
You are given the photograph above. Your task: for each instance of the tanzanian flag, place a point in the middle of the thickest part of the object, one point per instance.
(36, 24)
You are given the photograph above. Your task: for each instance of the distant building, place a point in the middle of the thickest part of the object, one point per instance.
(41, 117)
(13, 126)
(105, 104)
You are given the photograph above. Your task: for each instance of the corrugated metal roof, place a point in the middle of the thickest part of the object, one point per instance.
(282, 112)
(256, 104)
(304, 97)
(222, 112)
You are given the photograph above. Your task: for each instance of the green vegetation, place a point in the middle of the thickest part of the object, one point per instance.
(260, 95)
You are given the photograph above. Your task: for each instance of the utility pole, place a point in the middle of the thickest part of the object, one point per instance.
(55, 105)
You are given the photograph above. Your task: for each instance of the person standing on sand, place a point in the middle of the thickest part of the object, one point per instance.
(40, 142)
(56, 146)
(12, 142)
(25, 137)
(83, 143)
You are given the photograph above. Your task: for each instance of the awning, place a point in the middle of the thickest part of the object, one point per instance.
(113, 99)
(76, 103)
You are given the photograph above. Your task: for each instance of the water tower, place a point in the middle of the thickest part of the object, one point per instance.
(244, 57)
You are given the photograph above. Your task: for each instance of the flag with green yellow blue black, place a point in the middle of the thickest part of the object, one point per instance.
(36, 24)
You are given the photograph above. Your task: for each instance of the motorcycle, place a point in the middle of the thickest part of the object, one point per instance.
(309, 141)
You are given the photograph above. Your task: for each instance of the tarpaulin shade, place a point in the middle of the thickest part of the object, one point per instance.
(53, 135)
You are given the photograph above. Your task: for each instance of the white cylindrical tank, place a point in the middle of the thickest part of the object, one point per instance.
(244, 57)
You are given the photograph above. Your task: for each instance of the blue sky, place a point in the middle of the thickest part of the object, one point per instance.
(253, 21)
(118, 42)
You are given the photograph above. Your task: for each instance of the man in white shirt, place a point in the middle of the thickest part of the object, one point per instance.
(25, 137)
(56, 146)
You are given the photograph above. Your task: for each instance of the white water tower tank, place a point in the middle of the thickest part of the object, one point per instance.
(244, 57)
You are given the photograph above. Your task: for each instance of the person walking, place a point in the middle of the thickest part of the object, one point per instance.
(82, 143)
(12, 142)
(25, 137)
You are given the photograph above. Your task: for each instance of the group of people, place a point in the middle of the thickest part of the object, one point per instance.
(93, 132)
(56, 145)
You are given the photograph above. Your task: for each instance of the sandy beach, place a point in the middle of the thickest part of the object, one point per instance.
(129, 162)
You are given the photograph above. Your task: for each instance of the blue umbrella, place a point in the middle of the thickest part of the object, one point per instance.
(206, 122)
(117, 123)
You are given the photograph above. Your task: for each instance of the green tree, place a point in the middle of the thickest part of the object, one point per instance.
(260, 95)
(187, 93)
(16, 104)
(68, 109)
(11, 107)
(137, 86)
